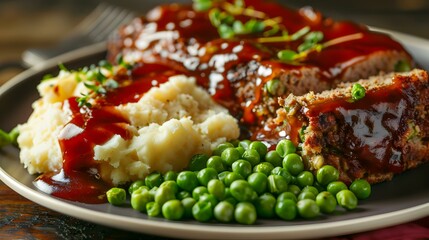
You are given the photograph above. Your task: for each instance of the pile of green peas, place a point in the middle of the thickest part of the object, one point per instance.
(240, 182)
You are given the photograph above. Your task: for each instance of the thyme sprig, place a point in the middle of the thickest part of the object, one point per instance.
(98, 80)
(312, 43)
(223, 14)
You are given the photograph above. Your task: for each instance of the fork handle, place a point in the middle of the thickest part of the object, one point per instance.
(33, 56)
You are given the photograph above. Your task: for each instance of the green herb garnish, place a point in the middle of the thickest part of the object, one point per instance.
(358, 92)
(9, 138)
(402, 66)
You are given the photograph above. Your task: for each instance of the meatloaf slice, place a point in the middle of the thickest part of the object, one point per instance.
(384, 133)
(237, 70)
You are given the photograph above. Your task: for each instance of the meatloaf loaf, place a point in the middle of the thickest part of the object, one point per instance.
(384, 133)
(237, 69)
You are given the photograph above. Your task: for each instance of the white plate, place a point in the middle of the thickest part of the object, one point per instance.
(404, 199)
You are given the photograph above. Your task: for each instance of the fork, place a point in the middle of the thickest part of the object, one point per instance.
(95, 28)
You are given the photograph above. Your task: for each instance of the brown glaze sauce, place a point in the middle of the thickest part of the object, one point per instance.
(369, 127)
(79, 179)
(174, 39)
(186, 40)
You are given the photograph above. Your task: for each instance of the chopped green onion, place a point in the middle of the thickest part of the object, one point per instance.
(402, 66)
(358, 92)
(274, 87)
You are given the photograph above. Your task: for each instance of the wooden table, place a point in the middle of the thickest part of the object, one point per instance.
(23, 219)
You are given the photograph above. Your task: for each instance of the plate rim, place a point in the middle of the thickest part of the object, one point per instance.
(186, 230)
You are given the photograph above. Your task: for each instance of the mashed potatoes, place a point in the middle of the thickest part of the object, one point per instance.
(170, 124)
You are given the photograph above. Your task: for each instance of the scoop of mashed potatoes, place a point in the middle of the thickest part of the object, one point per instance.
(170, 124)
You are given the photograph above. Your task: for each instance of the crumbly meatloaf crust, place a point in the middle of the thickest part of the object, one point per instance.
(384, 133)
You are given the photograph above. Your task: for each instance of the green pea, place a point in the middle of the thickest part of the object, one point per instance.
(209, 198)
(361, 188)
(293, 164)
(326, 202)
(163, 195)
(252, 156)
(319, 187)
(187, 180)
(215, 162)
(264, 167)
(287, 195)
(229, 156)
(231, 177)
(153, 180)
(310, 189)
(235, 142)
(335, 187)
(327, 174)
(286, 209)
(285, 147)
(198, 162)
(217, 188)
(202, 211)
(245, 213)
(305, 178)
(153, 209)
(347, 199)
(116, 196)
(183, 194)
(282, 172)
(242, 167)
(199, 191)
(153, 191)
(258, 181)
(135, 185)
(294, 189)
(307, 208)
(224, 212)
(173, 210)
(222, 175)
(306, 195)
(231, 200)
(244, 144)
(274, 158)
(205, 175)
(241, 150)
(188, 203)
(139, 199)
(170, 184)
(242, 191)
(277, 184)
(265, 205)
(170, 176)
(260, 147)
(221, 147)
